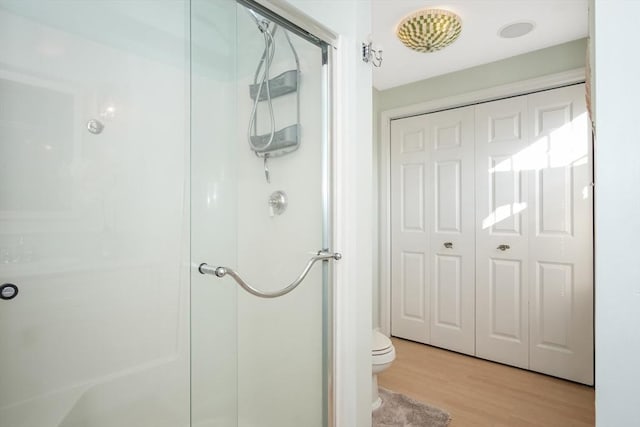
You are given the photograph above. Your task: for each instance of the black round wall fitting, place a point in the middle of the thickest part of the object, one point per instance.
(8, 291)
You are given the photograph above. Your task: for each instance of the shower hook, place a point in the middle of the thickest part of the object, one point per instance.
(369, 54)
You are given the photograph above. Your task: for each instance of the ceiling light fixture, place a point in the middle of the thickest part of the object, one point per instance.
(429, 30)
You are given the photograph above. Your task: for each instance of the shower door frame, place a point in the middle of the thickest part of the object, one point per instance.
(307, 28)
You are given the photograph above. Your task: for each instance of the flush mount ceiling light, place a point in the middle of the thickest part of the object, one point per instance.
(429, 30)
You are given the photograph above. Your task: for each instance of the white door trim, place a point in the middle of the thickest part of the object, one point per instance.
(512, 89)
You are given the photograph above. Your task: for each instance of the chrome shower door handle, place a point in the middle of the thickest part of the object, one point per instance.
(323, 255)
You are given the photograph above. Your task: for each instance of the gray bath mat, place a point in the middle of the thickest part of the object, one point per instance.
(398, 410)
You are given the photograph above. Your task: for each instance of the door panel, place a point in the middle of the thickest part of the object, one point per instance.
(447, 292)
(553, 293)
(555, 201)
(432, 222)
(502, 211)
(412, 197)
(560, 247)
(506, 310)
(447, 196)
(506, 194)
(412, 281)
(409, 267)
(451, 215)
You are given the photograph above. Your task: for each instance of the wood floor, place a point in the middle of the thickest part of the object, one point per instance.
(480, 393)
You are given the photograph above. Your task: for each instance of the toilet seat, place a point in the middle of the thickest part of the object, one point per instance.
(380, 343)
(382, 350)
(383, 358)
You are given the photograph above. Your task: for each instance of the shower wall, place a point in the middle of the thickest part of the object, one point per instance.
(280, 347)
(94, 227)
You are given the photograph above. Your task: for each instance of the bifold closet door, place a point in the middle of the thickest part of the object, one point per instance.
(534, 280)
(451, 225)
(561, 235)
(502, 319)
(501, 267)
(432, 261)
(410, 272)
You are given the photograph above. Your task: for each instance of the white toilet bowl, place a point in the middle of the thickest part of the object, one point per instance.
(382, 355)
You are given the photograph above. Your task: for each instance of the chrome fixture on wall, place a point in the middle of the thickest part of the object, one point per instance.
(369, 54)
(95, 126)
(263, 89)
(277, 203)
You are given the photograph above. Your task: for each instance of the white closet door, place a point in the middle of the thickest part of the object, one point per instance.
(450, 216)
(432, 244)
(522, 292)
(502, 329)
(410, 271)
(560, 242)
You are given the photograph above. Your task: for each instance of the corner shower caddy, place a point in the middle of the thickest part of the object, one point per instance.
(277, 142)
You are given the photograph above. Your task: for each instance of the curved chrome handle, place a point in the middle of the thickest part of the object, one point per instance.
(205, 268)
(503, 247)
(448, 245)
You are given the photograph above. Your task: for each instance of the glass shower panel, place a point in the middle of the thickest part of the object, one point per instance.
(280, 340)
(258, 175)
(214, 212)
(94, 227)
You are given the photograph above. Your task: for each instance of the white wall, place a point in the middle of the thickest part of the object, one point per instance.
(279, 340)
(617, 220)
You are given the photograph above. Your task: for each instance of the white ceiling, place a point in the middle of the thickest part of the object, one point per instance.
(556, 21)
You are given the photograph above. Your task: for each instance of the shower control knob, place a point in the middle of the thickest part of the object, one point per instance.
(8, 291)
(278, 202)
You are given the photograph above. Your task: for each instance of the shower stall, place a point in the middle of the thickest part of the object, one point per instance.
(165, 215)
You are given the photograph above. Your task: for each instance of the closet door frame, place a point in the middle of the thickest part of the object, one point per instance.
(384, 232)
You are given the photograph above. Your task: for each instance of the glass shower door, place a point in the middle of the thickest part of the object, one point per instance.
(259, 182)
(136, 142)
(93, 221)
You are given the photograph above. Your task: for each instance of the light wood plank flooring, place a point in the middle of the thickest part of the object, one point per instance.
(480, 393)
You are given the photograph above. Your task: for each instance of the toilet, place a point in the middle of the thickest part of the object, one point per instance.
(382, 355)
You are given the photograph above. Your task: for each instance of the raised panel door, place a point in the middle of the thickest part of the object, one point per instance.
(502, 332)
(410, 270)
(451, 213)
(561, 240)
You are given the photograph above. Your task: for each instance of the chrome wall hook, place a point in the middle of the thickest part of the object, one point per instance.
(369, 54)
